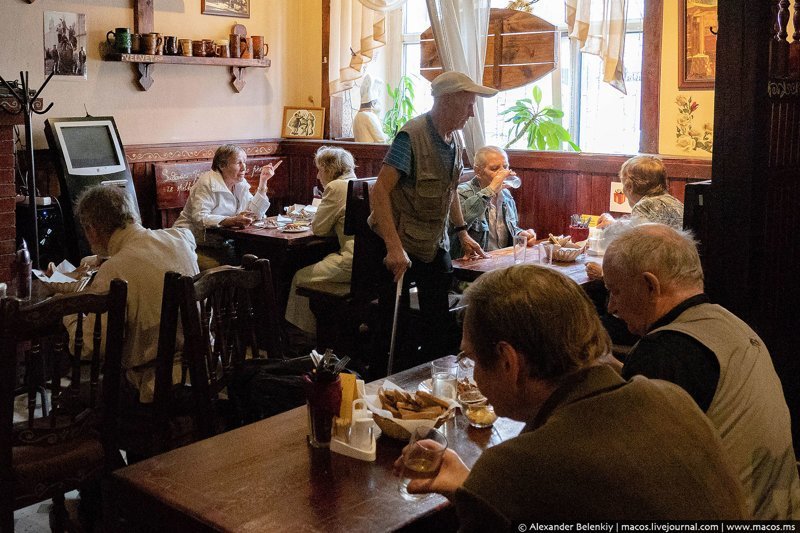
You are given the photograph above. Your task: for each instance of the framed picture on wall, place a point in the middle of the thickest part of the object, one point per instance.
(65, 45)
(303, 122)
(226, 8)
(697, 56)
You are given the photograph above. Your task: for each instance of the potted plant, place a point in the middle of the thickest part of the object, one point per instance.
(402, 108)
(540, 124)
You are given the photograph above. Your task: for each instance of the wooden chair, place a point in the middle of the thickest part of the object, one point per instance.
(341, 309)
(230, 320)
(74, 443)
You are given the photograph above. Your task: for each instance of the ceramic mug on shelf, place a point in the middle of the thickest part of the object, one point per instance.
(208, 47)
(151, 43)
(185, 47)
(170, 45)
(159, 44)
(247, 48)
(235, 45)
(222, 48)
(120, 40)
(260, 48)
(198, 49)
(136, 43)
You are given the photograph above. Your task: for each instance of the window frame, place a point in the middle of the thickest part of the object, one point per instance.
(652, 29)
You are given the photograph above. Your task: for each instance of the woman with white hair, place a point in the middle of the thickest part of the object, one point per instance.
(335, 168)
(222, 197)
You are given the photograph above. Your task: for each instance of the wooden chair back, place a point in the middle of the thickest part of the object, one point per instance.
(229, 316)
(368, 247)
(73, 439)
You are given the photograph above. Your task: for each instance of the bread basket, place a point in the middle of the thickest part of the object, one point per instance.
(401, 429)
(65, 287)
(566, 255)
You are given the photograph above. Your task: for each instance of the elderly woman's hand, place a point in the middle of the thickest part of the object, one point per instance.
(242, 220)
(267, 171)
(605, 220)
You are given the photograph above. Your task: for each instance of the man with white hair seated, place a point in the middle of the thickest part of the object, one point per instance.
(655, 282)
(490, 213)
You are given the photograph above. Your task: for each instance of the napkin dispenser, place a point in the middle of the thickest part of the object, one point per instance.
(356, 440)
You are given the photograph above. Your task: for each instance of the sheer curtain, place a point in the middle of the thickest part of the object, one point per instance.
(460, 28)
(383, 5)
(356, 33)
(599, 26)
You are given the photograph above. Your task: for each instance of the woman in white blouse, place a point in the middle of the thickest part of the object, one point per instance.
(222, 197)
(335, 168)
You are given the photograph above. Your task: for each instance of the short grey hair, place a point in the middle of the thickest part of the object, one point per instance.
(479, 161)
(335, 162)
(669, 254)
(646, 173)
(224, 154)
(541, 313)
(106, 209)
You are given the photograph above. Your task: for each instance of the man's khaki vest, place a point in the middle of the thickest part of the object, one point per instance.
(420, 210)
(748, 410)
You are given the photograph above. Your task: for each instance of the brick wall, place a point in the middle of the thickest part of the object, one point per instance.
(7, 222)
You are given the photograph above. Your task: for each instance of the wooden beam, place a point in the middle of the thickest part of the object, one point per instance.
(143, 20)
(326, 39)
(651, 75)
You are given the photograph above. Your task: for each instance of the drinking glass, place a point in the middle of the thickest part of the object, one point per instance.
(547, 253)
(513, 181)
(520, 247)
(422, 459)
(444, 378)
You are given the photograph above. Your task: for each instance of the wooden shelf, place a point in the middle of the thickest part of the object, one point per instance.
(145, 62)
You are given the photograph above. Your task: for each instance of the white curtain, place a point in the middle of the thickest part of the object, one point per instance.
(460, 28)
(356, 34)
(599, 26)
(383, 5)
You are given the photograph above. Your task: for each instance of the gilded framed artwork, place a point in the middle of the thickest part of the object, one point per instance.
(697, 57)
(226, 8)
(303, 122)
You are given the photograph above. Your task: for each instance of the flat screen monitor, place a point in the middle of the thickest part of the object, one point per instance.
(90, 147)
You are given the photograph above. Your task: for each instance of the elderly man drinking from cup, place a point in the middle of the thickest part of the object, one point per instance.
(490, 213)
(595, 447)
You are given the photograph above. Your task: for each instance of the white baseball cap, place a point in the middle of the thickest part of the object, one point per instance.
(452, 82)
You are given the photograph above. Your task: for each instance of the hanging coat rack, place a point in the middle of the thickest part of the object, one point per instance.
(27, 102)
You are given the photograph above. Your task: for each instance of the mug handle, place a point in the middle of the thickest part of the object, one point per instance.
(109, 35)
(265, 49)
(159, 41)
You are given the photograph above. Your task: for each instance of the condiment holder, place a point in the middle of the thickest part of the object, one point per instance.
(357, 440)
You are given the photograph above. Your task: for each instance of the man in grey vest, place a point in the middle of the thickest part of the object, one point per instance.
(415, 193)
(655, 283)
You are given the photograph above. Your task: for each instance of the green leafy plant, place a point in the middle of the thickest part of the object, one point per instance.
(539, 124)
(402, 108)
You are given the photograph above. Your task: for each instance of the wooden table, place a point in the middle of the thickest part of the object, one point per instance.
(264, 477)
(286, 251)
(470, 270)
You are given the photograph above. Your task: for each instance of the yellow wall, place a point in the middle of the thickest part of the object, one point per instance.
(186, 102)
(669, 114)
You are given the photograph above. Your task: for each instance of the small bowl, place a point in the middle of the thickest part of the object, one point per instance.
(566, 255)
(480, 416)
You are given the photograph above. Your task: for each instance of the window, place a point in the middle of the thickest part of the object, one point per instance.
(599, 118)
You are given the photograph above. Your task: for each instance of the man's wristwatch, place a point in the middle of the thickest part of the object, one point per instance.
(459, 229)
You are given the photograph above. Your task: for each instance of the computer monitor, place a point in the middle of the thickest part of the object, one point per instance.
(91, 148)
(89, 152)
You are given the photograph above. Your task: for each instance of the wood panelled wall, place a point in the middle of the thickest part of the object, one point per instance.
(554, 184)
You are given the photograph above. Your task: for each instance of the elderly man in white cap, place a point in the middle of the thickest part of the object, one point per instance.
(416, 192)
(367, 127)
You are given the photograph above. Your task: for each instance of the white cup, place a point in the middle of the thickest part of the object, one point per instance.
(520, 248)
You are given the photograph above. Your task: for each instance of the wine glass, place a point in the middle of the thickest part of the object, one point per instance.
(422, 458)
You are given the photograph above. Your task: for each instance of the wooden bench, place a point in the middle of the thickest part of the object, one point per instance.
(174, 180)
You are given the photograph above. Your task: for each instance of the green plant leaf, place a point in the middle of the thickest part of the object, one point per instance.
(553, 113)
(537, 94)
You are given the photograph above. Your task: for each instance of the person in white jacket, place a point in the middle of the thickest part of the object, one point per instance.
(222, 197)
(335, 168)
